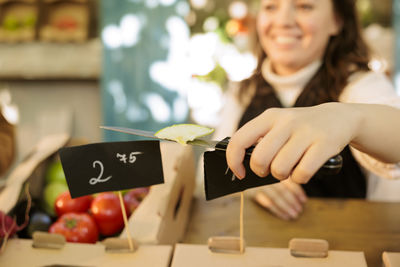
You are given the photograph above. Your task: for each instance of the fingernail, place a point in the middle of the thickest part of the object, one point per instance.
(292, 213)
(298, 208)
(240, 174)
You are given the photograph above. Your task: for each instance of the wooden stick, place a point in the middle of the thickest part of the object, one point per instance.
(241, 222)
(121, 201)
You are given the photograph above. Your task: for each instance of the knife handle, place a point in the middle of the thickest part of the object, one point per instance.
(331, 167)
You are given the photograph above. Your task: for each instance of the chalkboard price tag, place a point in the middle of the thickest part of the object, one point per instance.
(220, 181)
(112, 166)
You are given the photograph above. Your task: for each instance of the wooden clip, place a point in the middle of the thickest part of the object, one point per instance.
(47, 240)
(310, 248)
(119, 245)
(226, 244)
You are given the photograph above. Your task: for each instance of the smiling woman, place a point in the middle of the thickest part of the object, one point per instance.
(311, 52)
(293, 34)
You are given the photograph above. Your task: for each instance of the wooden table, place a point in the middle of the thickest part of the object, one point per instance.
(372, 227)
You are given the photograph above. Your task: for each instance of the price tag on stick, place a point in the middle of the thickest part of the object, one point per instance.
(219, 180)
(113, 166)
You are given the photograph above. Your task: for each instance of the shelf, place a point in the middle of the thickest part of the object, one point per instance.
(51, 61)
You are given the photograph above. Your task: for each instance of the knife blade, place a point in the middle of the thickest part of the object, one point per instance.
(149, 134)
(332, 166)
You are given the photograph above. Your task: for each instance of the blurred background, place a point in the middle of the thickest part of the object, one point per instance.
(73, 65)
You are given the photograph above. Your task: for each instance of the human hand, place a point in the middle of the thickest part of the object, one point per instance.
(284, 199)
(293, 142)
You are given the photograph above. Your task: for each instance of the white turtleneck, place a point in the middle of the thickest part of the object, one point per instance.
(367, 87)
(288, 88)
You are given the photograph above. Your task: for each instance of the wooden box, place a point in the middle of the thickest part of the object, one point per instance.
(73, 254)
(391, 259)
(200, 255)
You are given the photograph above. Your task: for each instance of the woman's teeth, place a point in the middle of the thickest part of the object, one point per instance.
(285, 40)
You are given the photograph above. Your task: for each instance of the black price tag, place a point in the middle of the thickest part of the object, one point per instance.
(111, 166)
(220, 181)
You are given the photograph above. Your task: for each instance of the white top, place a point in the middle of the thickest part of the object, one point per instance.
(367, 87)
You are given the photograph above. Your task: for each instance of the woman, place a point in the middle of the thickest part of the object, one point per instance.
(311, 52)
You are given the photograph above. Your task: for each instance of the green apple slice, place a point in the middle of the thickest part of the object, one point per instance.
(182, 133)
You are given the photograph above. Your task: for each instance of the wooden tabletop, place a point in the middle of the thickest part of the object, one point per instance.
(358, 225)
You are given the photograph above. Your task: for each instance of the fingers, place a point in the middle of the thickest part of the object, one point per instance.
(266, 149)
(288, 156)
(296, 189)
(262, 199)
(245, 137)
(313, 159)
(281, 200)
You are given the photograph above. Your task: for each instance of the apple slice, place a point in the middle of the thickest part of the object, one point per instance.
(182, 133)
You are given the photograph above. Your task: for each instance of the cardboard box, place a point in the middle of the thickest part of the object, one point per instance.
(162, 216)
(200, 255)
(30, 169)
(20, 253)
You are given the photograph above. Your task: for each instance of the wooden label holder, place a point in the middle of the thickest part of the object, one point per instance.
(56, 241)
(299, 247)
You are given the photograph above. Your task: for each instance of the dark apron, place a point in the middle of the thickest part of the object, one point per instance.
(348, 183)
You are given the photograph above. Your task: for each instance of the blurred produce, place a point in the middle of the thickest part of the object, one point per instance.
(51, 192)
(107, 213)
(76, 227)
(64, 203)
(39, 221)
(55, 173)
(8, 225)
(83, 219)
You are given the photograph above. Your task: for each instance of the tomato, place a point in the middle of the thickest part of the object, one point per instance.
(131, 201)
(76, 227)
(64, 203)
(107, 213)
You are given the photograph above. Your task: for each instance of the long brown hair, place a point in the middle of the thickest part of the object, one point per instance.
(345, 54)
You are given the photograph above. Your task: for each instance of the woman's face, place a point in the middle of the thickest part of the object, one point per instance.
(294, 33)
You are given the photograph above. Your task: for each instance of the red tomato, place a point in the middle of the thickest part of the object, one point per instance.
(107, 213)
(131, 201)
(76, 227)
(64, 203)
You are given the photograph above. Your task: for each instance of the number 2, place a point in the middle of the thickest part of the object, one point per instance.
(94, 180)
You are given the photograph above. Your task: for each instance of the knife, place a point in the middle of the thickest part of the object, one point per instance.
(332, 166)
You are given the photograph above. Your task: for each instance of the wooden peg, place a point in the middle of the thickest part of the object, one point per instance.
(47, 240)
(226, 244)
(119, 245)
(310, 248)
